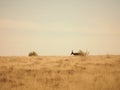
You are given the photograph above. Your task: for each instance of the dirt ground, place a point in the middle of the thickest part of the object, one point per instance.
(60, 73)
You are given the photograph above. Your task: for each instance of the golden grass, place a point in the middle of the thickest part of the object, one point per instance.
(60, 73)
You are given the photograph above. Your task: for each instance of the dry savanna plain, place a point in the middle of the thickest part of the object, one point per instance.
(100, 72)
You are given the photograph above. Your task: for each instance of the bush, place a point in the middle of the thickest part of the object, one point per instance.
(33, 54)
(82, 53)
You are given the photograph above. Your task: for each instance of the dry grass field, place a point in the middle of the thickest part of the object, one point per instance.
(60, 73)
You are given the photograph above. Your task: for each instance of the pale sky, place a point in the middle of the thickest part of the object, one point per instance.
(55, 27)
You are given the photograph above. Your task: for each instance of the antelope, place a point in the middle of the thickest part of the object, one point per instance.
(72, 53)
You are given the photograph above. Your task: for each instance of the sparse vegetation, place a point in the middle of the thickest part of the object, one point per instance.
(33, 54)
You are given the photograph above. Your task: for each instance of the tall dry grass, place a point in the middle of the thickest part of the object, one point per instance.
(60, 73)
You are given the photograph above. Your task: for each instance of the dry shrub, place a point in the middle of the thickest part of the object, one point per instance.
(83, 53)
(108, 56)
(33, 54)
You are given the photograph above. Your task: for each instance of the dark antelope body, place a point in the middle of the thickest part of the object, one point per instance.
(72, 53)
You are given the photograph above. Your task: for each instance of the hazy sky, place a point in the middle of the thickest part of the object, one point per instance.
(55, 27)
